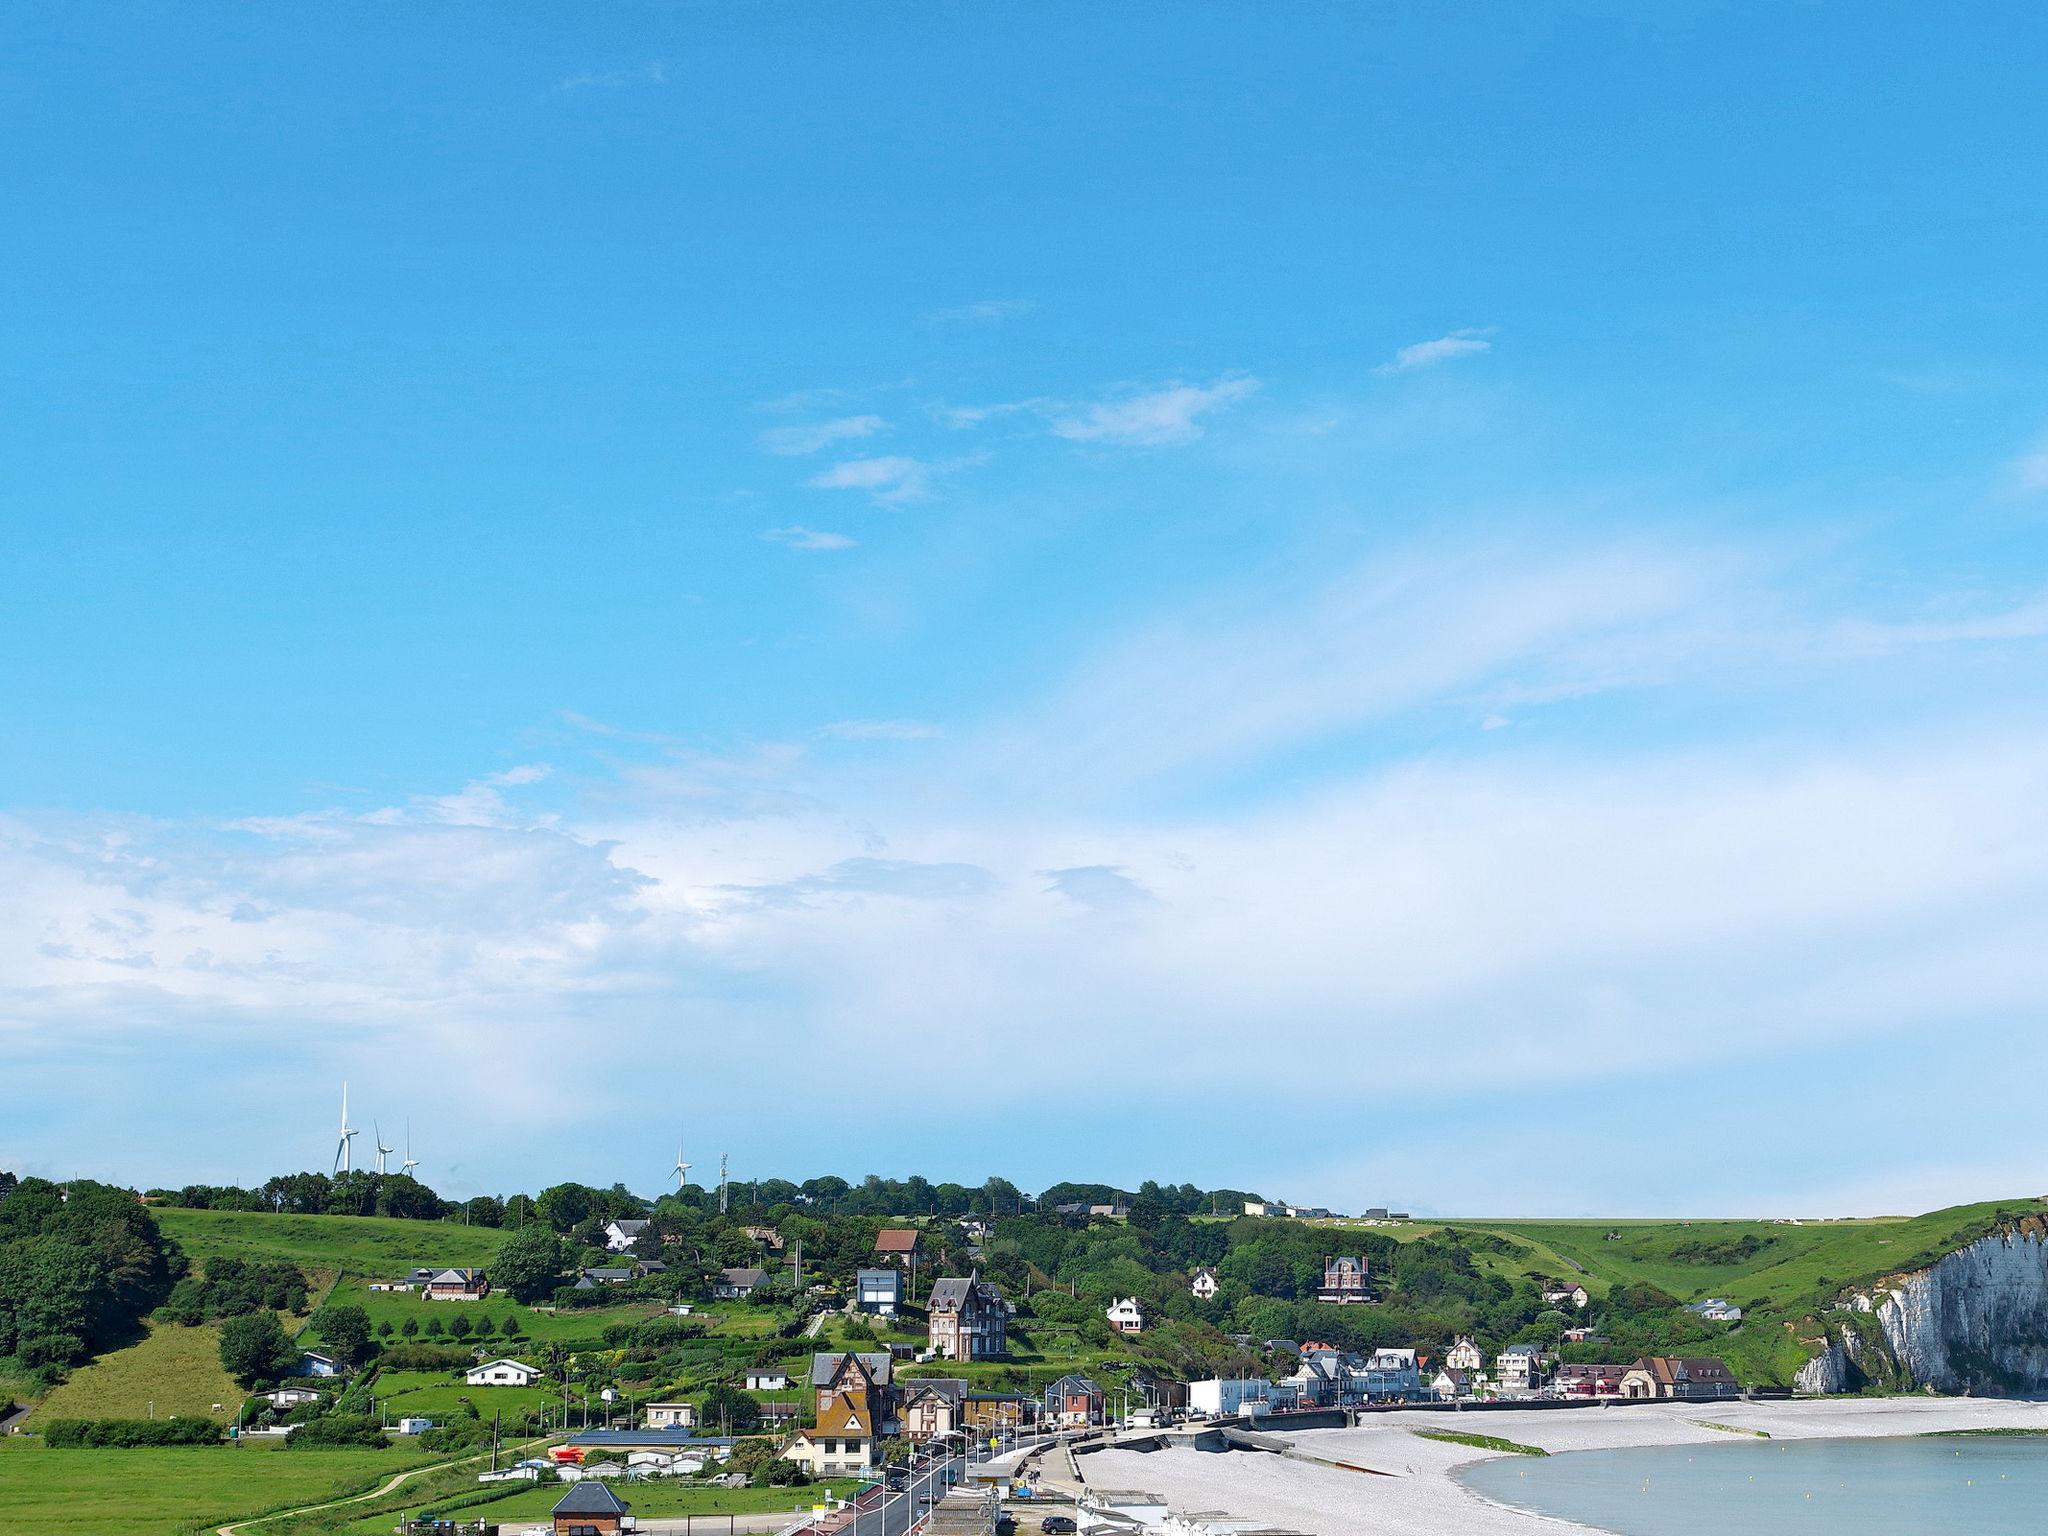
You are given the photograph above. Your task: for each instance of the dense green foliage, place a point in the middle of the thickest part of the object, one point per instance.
(128, 1434)
(254, 1348)
(231, 1287)
(79, 1267)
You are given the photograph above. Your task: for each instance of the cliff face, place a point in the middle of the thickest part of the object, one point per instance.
(1975, 1320)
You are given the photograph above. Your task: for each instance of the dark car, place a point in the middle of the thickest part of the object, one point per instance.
(1056, 1525)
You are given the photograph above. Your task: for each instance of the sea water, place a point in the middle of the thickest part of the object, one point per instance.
(1986, 1485)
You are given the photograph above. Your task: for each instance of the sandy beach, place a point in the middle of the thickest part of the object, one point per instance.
(1420, 1497)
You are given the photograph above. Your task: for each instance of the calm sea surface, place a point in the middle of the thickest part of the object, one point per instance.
(1984, 1485)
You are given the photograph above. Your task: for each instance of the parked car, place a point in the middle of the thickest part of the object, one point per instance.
(1056, 1525)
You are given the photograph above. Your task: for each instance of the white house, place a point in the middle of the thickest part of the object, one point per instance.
(621, 1235)
(1229, 1394)
(1125, 1315)
(1203, 1286)
(1558, 1295)
(1464, 1355)
(1715, 1310)
(1451, 1383)
(289, 1397)
(414, 1426)
(671, 1416)
(765, 1378)
(503, 1373)
(1519, 1368)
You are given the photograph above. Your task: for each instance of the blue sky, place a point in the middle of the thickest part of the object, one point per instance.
(1411, 583)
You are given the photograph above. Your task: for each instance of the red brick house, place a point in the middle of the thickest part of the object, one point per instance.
(1344, 1281)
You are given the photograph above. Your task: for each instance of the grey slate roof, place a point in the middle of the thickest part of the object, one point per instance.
(590, 1497)
(825, 1367)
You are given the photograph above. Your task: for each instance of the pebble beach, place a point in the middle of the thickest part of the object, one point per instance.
(1420, 1496)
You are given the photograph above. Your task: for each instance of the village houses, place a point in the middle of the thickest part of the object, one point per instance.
(1203, 1286)
(1126, 1315)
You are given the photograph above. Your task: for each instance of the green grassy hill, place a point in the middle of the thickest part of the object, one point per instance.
(371, 1246)
(172, 1370)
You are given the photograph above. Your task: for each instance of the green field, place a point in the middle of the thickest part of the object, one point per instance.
(173, 1370)
(374, 1246)
(659, 1498)
(172, 1491)
(439, 1394)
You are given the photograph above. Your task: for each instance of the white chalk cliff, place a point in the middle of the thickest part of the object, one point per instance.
(1976, 1320)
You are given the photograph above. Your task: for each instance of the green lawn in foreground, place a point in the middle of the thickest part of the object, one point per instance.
(170, 1491)
(176, 1369)
(657, 1498)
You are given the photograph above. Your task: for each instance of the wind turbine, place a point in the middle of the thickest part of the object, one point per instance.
(382, 1150)
(682, 1169)
(410, 1162)
(342, 1162)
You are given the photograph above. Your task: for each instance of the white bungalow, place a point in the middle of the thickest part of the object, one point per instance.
(503, 1373)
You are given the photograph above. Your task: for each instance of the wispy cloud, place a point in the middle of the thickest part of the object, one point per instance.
(810, 540)
(981, 312)
(1427, 354)
(652, 73)
(1152, 418)
(879, 730)
(890, 479)
(2030, 469)
(808, 437)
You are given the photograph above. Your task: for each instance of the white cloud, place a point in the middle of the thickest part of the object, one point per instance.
(1427, 354)
(809, 437)
(982, 311)
(810, 540)
(1152, 418)
(652, 73)
(889, 479)
(1603, 919)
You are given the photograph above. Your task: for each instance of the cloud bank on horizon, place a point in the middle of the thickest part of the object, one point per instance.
(1483, 736)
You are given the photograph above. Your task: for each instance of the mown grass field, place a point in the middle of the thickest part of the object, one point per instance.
(173, 1370)
(170, 1492)
(660, 1498)
(440, 1394)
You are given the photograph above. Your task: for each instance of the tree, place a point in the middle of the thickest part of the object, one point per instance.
(346, 1330)
(459, 1327)
(253, 1348)
(384, 1329)
(563, 1206)
(410, 1327)
(435, 1327)
(731, 1409)
(531, 1263)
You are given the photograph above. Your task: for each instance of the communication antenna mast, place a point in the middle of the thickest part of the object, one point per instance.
(724, 1187)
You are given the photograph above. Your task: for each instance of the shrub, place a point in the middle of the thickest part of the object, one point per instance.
(339, 1431)
(127, 1434)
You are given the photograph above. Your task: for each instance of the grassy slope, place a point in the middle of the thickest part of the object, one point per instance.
(160, 1492)
(1795, 1271)
(176, 1369)
(362, 1245)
